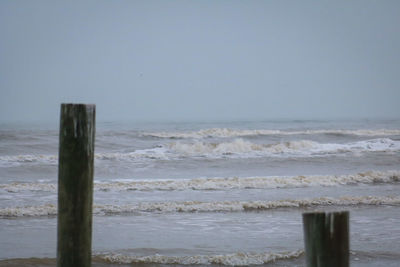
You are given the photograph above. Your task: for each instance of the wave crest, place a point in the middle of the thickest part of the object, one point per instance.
(198, 206)
(303, 148)
(369, 177)
(238, 148)
(226, 132)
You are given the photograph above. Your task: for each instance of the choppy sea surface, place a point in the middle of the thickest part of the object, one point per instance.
(227, 193)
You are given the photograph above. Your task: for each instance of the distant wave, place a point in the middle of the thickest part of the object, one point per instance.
(225, 132)
(198, 206)
(237, 148)
(235, 259)
(228, 183)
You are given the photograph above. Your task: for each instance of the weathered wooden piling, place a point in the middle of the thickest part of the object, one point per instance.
(326, 239)
(75, 185)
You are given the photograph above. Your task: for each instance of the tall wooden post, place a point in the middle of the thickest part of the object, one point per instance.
(326, 239)
(75, 185)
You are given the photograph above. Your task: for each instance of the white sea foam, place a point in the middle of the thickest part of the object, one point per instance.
(246, 149)
(195, 206)
(237, 206)
(198, 206)
(225, 132)
(235, 259)
(29, 211)
(17, 187)
(238, 148)
(369, 177)
(151, 153)
(20, 159)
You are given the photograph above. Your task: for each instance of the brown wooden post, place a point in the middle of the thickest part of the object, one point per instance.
(326, 239)
(75, 185)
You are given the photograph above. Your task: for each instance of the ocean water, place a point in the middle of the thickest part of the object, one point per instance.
(227, 193)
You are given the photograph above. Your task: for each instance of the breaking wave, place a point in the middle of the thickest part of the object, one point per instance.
(235, 259)
(154, 153)
(237, 148)
(18, 159)
(245, 149)
(225, 132)
(254, 182)
(29, 211)
(370, 177)
(239, 206)
(198, 206)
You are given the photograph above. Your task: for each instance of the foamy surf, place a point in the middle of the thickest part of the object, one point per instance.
(198, 206)
(18, 187)
(29, 211)
(226, 132)
(152, 153)
(240, 206)
(234, 259)
(369, 177)
(11, 161)
(238, 148)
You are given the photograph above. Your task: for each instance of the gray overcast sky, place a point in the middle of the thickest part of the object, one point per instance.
(200, 60)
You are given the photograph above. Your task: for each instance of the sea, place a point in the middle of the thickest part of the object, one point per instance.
(207, 193)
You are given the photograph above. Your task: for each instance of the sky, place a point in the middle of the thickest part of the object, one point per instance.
(204, 60)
